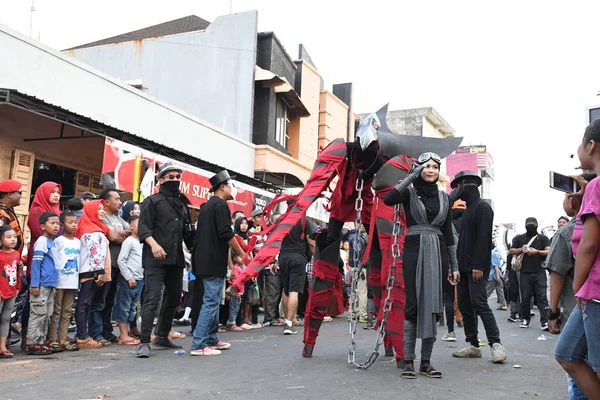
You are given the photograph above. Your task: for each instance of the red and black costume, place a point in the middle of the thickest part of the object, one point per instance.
(376, 164)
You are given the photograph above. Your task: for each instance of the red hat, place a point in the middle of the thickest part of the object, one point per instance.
(9, 186)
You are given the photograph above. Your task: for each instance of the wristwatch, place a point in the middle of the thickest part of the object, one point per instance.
(552, 315)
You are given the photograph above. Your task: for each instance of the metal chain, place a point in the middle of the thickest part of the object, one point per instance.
(356, 270)
(387, 304)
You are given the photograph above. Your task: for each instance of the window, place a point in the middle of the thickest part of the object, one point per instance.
(594, 114)
(282, 123)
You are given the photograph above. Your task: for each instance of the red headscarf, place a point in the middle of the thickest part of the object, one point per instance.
(89, 222)
(40, 205)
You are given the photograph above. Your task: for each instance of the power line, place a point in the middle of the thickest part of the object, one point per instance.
(206, 46)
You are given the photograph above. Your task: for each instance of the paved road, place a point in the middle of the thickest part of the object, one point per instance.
(263, 364)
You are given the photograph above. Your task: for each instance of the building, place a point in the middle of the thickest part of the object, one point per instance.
(476, 159)
(241, 81)
(425, 122)
(64, 121)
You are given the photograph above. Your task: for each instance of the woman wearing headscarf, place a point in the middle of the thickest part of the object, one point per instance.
(429, 251)
(46, 199)
(249, 312)
(94, 271)
(129, 209)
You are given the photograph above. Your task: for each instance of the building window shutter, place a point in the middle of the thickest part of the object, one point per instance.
(83, 183)
(22, 171)
(96, 184)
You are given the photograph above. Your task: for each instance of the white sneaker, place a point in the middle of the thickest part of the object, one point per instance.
(498, 353)
(221, 346)
(449, 337)
(207, 351)
(469, 351)
(524, 324)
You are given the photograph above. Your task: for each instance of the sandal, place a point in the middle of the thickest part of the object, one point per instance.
(6, 354)
(88, 343)
(68, 346)
(38, 350)
(55, 347)
(408, 370)
(174, 335)
(104, 342)
(129, 342)
(428, 370)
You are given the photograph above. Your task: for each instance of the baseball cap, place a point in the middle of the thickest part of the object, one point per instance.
(257, 211)
(531, 222)
(87, 196)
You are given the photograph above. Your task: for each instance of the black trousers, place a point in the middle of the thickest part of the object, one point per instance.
(109, 301)
(448, 290)
(272, 297)
(473, 302)
(155, 276)
(534, 284)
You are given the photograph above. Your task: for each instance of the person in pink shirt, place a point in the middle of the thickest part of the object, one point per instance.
(578, 349)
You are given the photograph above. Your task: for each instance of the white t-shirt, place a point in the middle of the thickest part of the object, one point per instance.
(66, 260)
(93, 254)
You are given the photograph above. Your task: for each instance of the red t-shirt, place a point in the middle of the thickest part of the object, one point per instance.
(10, 277)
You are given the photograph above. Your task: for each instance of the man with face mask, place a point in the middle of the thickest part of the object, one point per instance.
(535, 247)
(474, 263)
(213, 239)
(163, 218)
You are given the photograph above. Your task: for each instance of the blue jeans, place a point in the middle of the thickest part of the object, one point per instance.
(580, 339)
(234, 310)
(206, 330)
(126, 300)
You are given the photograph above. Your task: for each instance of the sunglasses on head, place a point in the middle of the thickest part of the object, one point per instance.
(423, 158)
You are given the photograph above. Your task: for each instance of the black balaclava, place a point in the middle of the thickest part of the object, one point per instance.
(531, 230)
(170, 187)
(469, 191)
(429, 189)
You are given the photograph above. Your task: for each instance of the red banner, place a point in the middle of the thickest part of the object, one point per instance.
(125, 164)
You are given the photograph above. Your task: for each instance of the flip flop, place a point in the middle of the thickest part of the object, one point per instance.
(174, 335)
(104, 342)
(68, 346)
(129, 342)
(6, 354)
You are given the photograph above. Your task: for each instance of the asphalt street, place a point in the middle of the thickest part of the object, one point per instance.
(264, 364)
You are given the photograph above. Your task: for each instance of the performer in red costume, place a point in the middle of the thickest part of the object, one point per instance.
(376, 150)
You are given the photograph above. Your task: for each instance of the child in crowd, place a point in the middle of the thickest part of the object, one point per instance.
(44, 278)
(234, 301)
(94, 267)
(10, 283)
(130, 285)
(67, 249)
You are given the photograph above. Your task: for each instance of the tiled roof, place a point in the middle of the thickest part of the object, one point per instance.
(186, 24)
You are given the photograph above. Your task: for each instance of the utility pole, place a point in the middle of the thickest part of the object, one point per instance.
(31, 19)
(230, 7)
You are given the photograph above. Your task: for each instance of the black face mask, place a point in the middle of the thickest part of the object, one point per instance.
(470, 193)
(531, 231)
(170, 186)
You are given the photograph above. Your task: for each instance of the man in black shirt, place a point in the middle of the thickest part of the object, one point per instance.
(293, 257)
(213, 238)
(162, 221)
(535, 248)
(474, 262)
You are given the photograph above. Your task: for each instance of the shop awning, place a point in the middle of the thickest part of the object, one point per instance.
(283, 87)
(37, 106)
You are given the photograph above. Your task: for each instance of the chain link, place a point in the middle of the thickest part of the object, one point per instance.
(356, 270)
(387, 303)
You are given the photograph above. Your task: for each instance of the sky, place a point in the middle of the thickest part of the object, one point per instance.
(516, 76)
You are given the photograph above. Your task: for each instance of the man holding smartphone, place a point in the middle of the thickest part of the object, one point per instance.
(535, 248)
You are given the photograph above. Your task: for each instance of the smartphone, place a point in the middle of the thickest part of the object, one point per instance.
(563, 183)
